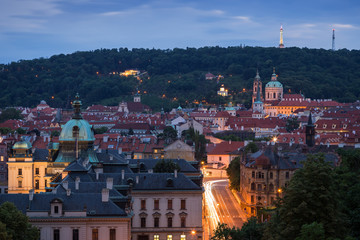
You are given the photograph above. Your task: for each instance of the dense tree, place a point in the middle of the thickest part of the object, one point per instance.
(176, 76)
(10, 113)
(15, 224)
(292, 124)
(199, 140)
(166, 166)
(103, 130)
(312, 196)
(169, 135)
(233, 172)
(251, 230)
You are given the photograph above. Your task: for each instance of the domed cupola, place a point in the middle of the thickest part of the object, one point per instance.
(273, 89)
(76, 138)
(77, 128)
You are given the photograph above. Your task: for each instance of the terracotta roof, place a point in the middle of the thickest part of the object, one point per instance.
(225, 148)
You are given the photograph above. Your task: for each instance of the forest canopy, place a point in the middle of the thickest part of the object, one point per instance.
(177, 76)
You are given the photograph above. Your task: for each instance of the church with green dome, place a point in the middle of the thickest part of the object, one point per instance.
(76, 142)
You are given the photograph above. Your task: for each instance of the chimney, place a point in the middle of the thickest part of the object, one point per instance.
(109, 183)
(137, 179)
(122, 174)
(175, 173)
(105, 195)
(65, 185)
(77, 182)
(31, 194)
(68, 192)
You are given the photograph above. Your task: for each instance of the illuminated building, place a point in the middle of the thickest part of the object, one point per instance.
(281, 44)
(223, 92)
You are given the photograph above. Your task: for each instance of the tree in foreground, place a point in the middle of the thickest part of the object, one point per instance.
(312, 196)
(251, 230)
(15, 225)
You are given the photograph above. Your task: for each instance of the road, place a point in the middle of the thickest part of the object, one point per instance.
(221, 206)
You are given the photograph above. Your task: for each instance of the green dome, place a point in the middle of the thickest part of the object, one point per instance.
(85, 132)
(22, 145)
(274, 84)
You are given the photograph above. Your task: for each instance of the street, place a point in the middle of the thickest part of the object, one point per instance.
(221, 206)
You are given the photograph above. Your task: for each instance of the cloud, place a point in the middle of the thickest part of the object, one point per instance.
(18, 15)
(243, 18)
(346, 26)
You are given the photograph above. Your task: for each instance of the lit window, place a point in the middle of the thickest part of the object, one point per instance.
(169, 237)
(156, 237)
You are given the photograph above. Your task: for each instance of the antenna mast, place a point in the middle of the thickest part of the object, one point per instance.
(333, 40)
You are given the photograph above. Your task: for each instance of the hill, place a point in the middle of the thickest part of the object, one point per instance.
(177, 76)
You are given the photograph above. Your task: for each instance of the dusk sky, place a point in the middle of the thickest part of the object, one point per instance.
(42, 28)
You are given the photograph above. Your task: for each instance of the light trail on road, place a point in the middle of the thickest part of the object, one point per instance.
(213, 218)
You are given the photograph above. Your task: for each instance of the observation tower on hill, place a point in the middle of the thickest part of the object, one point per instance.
(281, 44)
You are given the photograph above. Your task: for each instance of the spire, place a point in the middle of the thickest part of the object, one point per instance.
(273, 76)
(77, 105)
(281, 45)
(310, 122)
(257, 77)
(258, 98)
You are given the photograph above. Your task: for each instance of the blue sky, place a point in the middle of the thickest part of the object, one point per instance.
(42, 28)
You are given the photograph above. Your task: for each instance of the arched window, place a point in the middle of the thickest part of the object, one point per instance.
(274, 95)
(271, 187)
(75, 131)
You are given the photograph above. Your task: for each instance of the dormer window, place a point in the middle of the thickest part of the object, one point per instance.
(344, 126)
(324, 125)
(56, 207)
(333, 126)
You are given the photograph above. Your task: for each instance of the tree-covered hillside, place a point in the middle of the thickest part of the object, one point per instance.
(178, 76)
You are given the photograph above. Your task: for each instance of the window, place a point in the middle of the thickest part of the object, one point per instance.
(37, 171)
(20, 184)
(220, 159)
(259, 187)
(95, 234)
(19, 171)
(274, 95)
(156, 237)
(183, 204)
(271, 187)
(56, 209)
(112, 234)
(271, 175)
(156, 204)
(2, 157)
(143, 204)
(259, 199)
(75, 234)
(56, 234)
(182, 237)
(75, 132)
(37, 184)
(45, 182)
(143, 222)
(169, 237)
(287, 175)
(169, 222)
(252, 198)
(170, 204)
(253, 174)
(183, 222)
(272, 200)
(156, 222)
